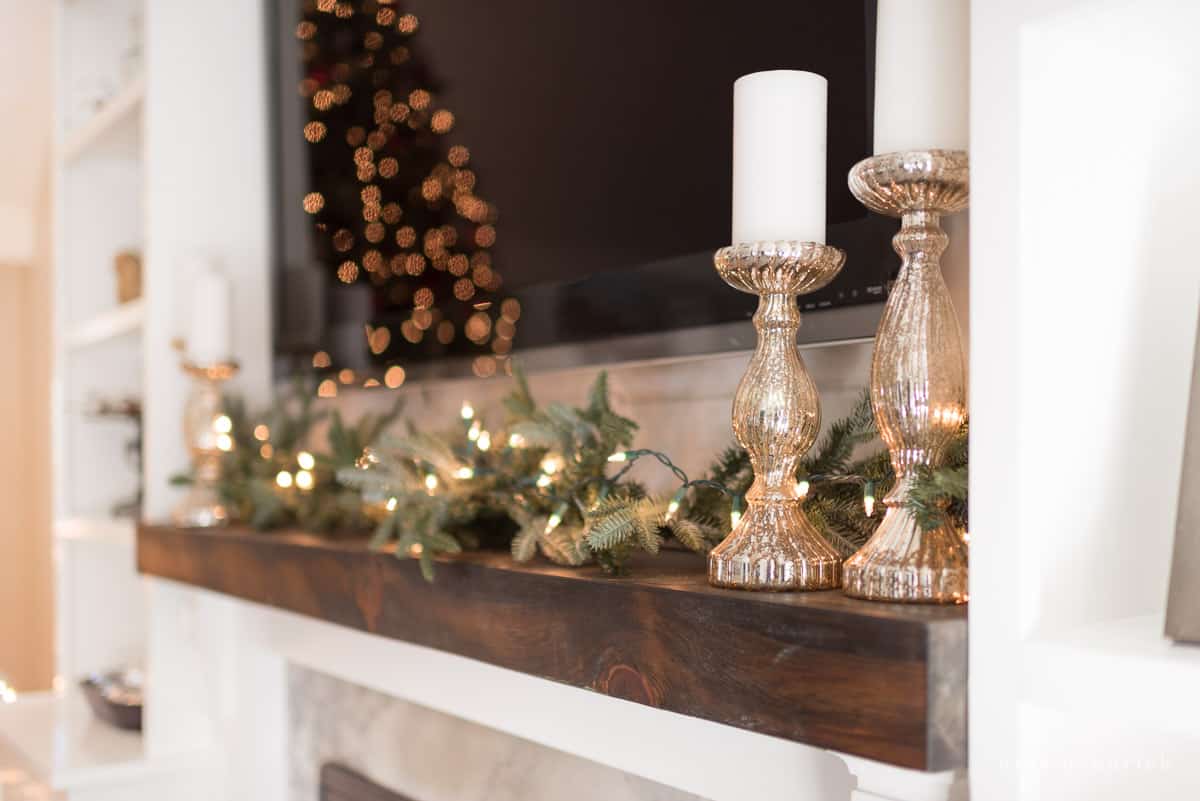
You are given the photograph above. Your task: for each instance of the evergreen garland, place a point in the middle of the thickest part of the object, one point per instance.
(545, 481)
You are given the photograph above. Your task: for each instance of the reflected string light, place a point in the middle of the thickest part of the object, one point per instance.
(327, 389)
(442, 121)
(321, 359)
(314, 202)
(323, 100)
(394, 376)
(407, 24)
(315, 131)
(459, 155)
(343, 240)
(347, 272)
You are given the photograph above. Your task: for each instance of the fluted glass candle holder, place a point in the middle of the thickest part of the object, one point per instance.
(204, 430)
(918, 377)
(776, 417)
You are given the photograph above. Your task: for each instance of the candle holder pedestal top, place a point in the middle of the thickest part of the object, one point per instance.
(918, 377)
(776, 418)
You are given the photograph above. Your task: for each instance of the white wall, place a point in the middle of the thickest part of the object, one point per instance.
(1084, 288)
(207, 189)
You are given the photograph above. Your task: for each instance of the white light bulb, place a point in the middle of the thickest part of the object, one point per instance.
(484, 442)
(304, 479)
(474, 431)
(619, 456)
(544, 481)
(468, 411)
(464, 472)
(516, 441)
(224, 442)
(284, 479)
(802, 489)
(305, 460)
(431, 482)
(222, 424)
(735, 517)
(553, 522)
(391, 504)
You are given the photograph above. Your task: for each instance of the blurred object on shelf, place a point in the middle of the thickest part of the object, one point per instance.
(116, 697)
(130, 409)
(128, 264)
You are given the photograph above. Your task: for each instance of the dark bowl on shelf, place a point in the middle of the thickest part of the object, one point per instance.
(115, 699)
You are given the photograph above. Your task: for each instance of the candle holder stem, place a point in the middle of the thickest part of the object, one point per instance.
(776, 417)
(918, 378)
(202, 506)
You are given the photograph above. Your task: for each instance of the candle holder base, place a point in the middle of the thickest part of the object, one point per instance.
(774, 547)
(776, 417)
(904, 563)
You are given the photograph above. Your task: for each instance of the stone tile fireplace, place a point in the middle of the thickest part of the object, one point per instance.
(350, 743)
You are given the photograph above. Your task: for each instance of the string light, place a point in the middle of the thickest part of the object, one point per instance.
(222, 424)
(262, 433)
(431, 482)
(802, 489)
(468, 411)
(735, 514)
(484, 441)
(224, 442)
(869, 498)
(465, 472)
(283, 479)
(673, 506)
(304, 480)
(619, 456)
(552, 464)
(544, 480)
(516, 441)
(391, 504)
(7, 694)
(556, 518)
(305, 460)
(474, 431)
(966, 537)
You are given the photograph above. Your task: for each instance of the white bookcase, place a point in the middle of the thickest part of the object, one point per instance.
(99, 209)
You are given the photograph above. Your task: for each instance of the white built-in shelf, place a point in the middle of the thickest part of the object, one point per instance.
(1142, 676)
(63, 744)
(95, 529)
(120, 112)
(127, 318)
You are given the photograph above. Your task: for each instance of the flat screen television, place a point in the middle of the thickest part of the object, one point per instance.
(459, 182)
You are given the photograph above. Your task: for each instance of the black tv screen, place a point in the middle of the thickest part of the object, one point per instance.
(460, 181)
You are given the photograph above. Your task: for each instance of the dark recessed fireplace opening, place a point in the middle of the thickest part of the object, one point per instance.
(340, 783)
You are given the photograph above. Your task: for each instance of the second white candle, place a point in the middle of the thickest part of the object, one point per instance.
(779, 120)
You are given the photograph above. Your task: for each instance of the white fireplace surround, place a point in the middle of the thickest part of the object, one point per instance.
(220, 694)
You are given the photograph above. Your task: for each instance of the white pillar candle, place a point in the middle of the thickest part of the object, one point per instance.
(779, 157)
(922, 67)
(208, 340)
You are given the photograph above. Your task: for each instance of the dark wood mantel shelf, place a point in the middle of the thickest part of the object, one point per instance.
(883, 681)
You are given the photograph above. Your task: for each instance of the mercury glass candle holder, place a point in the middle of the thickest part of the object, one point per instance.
(203, 421)
(776, 417)
(918, 377)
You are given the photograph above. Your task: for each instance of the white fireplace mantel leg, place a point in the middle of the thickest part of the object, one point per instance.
(876, 781)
